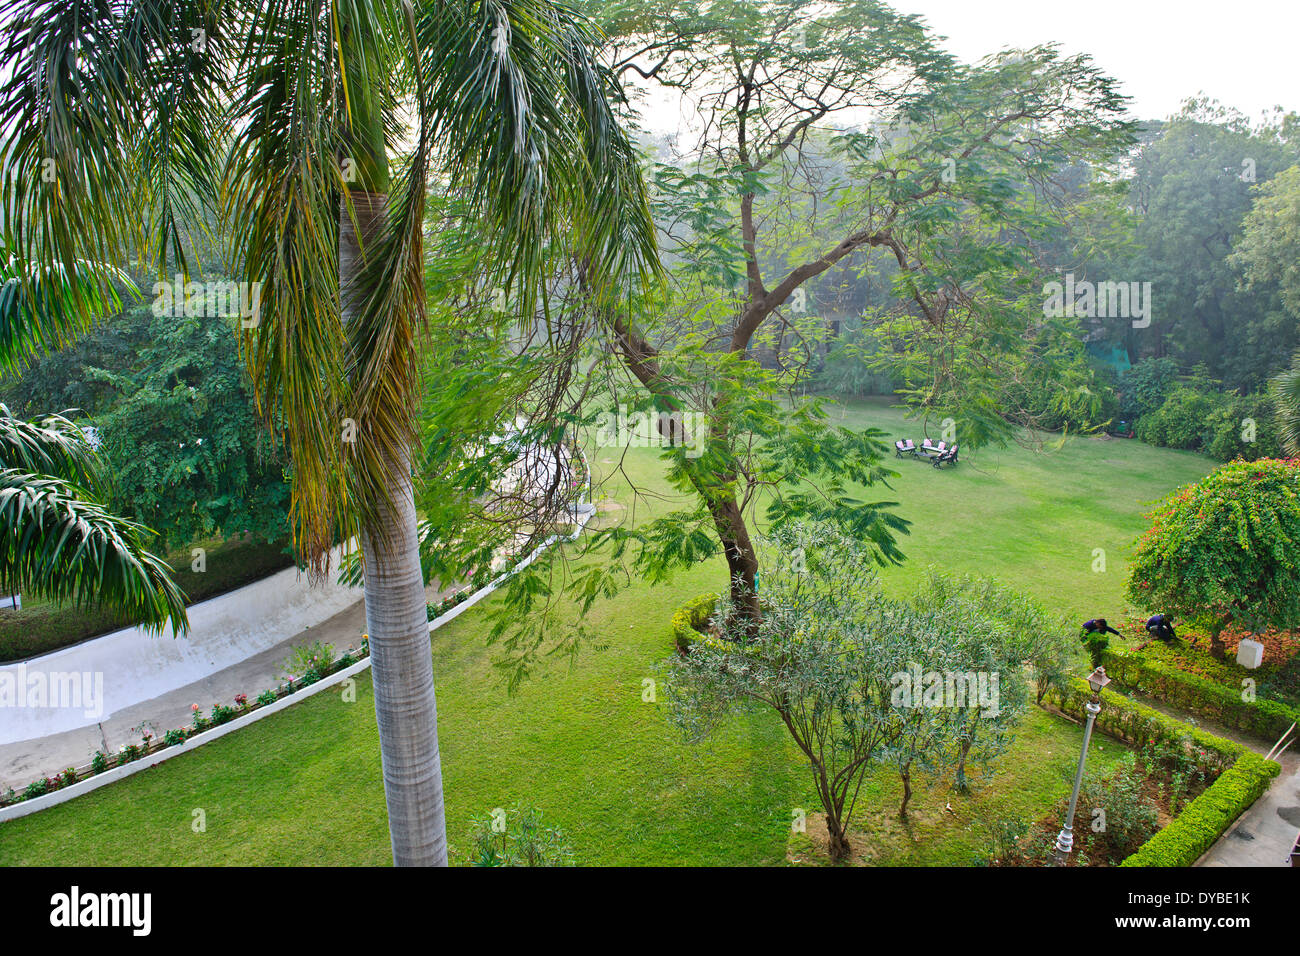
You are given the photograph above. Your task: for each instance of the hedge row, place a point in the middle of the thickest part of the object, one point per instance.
(1267, 719)
(690, 617)
(1140, 724)
(1245, 774)
(1208, 817)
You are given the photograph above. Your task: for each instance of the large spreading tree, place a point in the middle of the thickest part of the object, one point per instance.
(824, 136)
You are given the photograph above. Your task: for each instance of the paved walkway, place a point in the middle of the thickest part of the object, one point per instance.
(1265, 834)
(24, 761)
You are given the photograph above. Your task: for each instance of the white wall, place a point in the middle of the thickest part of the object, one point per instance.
(136, 666)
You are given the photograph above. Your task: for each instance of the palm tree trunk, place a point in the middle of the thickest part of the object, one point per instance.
(401, 661)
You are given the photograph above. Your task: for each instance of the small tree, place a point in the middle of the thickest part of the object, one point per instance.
(1226, 551)
(810, 659)
(856, 678)
(990, 633)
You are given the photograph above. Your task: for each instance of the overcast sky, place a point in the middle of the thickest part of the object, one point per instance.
(1244, 53)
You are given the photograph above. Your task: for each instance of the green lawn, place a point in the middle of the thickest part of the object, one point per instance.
(303, 786)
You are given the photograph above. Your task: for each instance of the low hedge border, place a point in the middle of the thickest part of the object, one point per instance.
(1244, 775)
(1267, 719)
(1208, 817)
(690, 617)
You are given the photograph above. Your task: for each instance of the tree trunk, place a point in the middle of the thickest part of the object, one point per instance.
(907, 794)
(839, 843)
(963, 785)
(742, 562)
(401, 661)
(1217, 648)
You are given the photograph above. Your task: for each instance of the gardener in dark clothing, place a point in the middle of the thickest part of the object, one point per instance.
(1162, 626)
(1094, 638)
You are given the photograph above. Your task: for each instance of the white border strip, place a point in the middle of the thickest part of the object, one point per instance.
(26, 807)
(64, 794)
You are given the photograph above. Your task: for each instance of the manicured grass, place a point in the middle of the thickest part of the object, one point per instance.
(578, 742)
(1029, 518)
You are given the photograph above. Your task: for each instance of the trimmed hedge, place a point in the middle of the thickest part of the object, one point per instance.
(1245, 774)
(1208, 817)
(1199, 695)
(689, 618)
(1140, 724)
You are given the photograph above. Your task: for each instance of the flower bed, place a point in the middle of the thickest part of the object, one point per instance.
(176, 737)
(1241, 774)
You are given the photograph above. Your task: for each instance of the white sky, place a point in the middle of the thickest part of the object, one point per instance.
(1244, 53)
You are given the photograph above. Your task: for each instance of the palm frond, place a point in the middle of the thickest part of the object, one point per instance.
(521, 115)
(1285, 392)
(52, 446)
(280, 196)
(55, 543)
(108, 114)
(34, 315)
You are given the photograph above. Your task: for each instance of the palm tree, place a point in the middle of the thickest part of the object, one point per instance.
(126, 122)
(56, 538)
(1285, 391)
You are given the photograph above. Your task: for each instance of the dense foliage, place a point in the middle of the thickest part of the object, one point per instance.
(1225, 550)
(172, 408)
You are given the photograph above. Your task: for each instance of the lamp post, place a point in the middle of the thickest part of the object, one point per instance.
(1065, 839)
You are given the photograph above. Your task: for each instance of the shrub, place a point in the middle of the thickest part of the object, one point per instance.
(520, 839)
(1182, 421)
(1222, 551)
(37, 788)
(1208, 817)
(1144, 386)
(310, 662)
(266, 697)
(1130, 817)
(1200, 695)
(1229, 426)
(99, 762)
(690, 618)
(1284, 683)
(173, 737)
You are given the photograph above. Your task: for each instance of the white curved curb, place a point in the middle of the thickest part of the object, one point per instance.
(25, 807)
